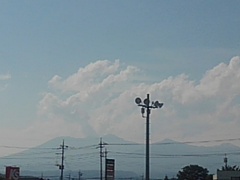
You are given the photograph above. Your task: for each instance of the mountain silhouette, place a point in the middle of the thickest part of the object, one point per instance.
(83, 154)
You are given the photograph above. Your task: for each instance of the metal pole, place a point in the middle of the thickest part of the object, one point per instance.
(62, 161)
(148, 106)
(101, 155)
(147, 139)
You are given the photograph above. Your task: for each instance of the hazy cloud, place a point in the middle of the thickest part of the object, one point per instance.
(4, 77)
(99, 99)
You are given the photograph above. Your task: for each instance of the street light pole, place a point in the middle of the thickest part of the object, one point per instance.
(146, 105)
(147, 140)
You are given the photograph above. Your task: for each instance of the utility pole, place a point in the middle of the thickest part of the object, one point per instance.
(147, 141)
(61, 166)
(101, 146)
(146, 105)
(101, 156)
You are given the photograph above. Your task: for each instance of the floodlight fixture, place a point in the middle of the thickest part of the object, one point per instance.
(138, 100)
(146, 102)
(157, 104)
(160, 105)
(143, 111)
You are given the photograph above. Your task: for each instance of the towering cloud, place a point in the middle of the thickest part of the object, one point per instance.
(99, 99)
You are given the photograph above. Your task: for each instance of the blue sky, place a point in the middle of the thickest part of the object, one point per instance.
(54, 51)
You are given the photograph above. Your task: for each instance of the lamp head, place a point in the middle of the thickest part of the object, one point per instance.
(146, 102)
(157, 104)
(138, 101)
(160, 105)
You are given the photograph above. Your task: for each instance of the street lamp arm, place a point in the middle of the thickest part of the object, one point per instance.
(142, 105)
(151, 107)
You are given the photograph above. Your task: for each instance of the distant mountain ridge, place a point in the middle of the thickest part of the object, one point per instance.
(167, 157)
(71, 141)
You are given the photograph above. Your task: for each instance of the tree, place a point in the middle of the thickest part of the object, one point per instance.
(193, 172)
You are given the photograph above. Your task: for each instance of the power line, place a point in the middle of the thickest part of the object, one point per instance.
(122, 144)
(196, 142)
(180, 142)
(154, 155)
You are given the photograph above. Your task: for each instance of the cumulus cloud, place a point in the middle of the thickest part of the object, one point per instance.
(99, 99)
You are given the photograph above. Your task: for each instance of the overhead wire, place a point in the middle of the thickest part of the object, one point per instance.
(122, 144)
(92, 157)
(175, 142)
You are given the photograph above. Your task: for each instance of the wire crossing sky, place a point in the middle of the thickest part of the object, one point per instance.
(74, 68)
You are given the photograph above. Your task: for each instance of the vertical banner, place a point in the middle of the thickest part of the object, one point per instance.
(110, 169)
(12, 173)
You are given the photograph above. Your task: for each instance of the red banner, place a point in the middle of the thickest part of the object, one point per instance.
(12, 173)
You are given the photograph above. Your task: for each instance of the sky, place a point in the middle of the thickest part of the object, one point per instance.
(74, 68)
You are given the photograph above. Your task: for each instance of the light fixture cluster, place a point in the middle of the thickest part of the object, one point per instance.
(146, 104)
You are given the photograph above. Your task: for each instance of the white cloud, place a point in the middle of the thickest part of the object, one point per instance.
(222, 79)
(99, 99)
(4, 77)
(92, 77)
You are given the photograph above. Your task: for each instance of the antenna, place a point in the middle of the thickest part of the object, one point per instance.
(225, 160)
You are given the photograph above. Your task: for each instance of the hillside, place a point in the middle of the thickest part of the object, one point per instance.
(167, 157)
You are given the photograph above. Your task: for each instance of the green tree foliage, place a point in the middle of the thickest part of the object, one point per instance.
(193, 172)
